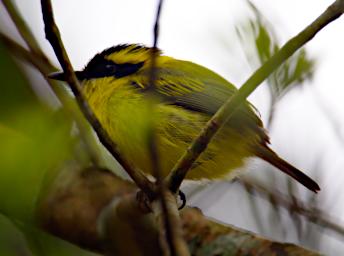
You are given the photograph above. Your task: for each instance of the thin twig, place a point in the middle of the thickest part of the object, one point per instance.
(23, 28)
(179, 246)
(314, 215)
(53, 36)
(23, 54)
(153, 70)
(181, 168)
(152, 139)
(165, 208)
(254, 209)
(330, 115)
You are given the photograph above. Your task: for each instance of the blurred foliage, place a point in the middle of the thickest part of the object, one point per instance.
(260, 42)
(12, 241)
(28, 241)
(41, 243)
(35, 143)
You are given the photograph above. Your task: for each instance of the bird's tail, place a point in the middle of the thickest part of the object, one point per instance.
(265, 153)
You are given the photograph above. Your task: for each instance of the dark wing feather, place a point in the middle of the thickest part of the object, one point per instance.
(196, 88)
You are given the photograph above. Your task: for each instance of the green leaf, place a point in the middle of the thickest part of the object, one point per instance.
(260, 42)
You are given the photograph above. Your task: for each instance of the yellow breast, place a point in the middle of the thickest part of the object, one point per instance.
(125, 114)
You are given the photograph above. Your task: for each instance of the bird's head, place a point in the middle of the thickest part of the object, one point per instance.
(118, 61)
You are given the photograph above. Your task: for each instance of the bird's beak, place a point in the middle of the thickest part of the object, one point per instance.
(61, 76)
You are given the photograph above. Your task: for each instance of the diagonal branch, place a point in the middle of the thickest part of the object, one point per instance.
(24, 54)
(23, 28)
(181, 168)
(53, 36)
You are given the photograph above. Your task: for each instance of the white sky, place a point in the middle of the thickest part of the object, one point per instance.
(203, 31)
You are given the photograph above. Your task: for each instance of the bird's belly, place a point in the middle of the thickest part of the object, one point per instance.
(175, 129)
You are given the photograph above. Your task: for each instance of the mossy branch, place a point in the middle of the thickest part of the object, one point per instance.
(53, 36)
(181, 168)
(81, 212)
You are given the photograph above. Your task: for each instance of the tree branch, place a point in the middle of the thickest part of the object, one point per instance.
(53, 36)
(181, 168)
(175, 239)
(80, 211)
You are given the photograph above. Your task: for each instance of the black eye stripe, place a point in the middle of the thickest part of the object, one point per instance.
(127, 69)
(98, 68)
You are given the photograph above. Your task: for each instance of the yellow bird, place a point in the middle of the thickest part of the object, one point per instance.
(115, 84)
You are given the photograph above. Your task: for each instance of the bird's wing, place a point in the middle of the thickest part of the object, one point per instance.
(196, 88)
(193, 87)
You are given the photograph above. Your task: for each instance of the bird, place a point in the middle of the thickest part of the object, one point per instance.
(116, 85)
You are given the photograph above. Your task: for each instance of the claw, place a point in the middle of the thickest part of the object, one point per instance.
(182, 197)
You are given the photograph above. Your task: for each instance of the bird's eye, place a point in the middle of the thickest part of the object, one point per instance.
(110, 66)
